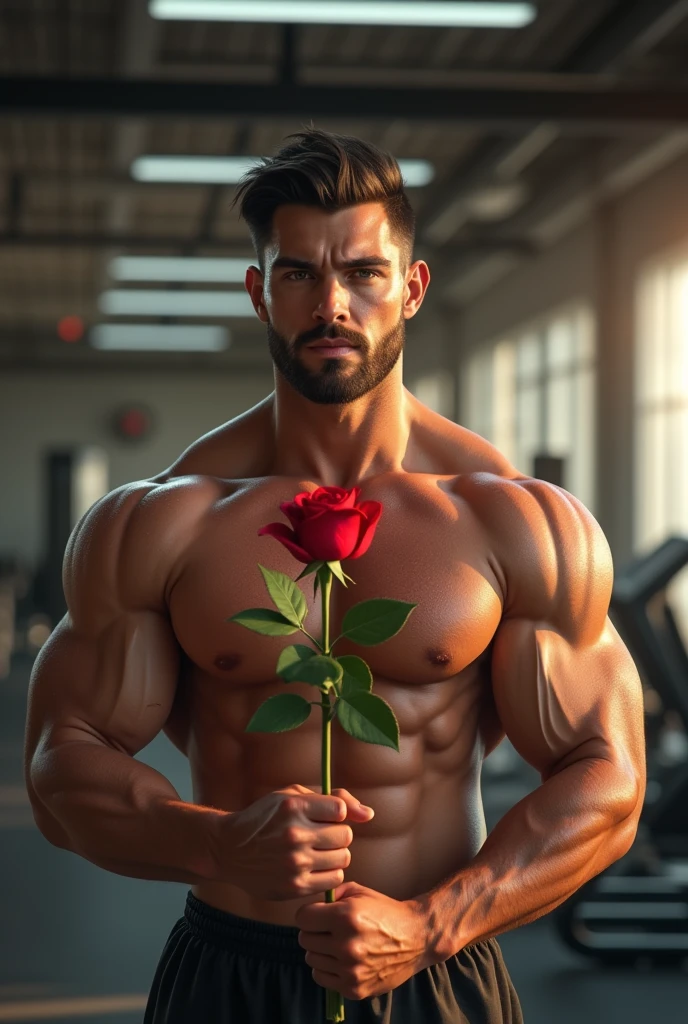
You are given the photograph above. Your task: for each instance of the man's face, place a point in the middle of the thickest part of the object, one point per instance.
(333, 276)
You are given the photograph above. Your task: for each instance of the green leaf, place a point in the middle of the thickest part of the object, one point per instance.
(357, 675)
(311, 567)
(315, 671)
(367, 717)
(336, 569)
(279, 714)
(288, 598)
(265, 621)
(293, 655)
(371, 622)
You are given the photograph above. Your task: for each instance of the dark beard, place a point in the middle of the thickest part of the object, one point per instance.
(335, 383)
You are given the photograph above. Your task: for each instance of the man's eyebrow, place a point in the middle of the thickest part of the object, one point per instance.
(360, 261)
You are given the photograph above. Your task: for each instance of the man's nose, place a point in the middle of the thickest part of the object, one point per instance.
(333, 303)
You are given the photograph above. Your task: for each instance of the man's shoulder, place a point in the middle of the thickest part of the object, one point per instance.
(128, 542)
(524, 506)
(552, 553)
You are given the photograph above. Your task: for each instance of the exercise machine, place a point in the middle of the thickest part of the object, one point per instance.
(637, 910)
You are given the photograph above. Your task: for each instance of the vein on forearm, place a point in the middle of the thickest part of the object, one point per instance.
(553, 841)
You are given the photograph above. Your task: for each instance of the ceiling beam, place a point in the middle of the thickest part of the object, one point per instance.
(186, 246)
(631, 26)
(576, 104)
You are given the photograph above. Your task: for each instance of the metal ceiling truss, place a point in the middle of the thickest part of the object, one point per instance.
(573, 104)
(187, 246)
(630, 27)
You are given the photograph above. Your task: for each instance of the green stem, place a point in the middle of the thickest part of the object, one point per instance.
(334, 1003)
(335, 641)
(316, 642)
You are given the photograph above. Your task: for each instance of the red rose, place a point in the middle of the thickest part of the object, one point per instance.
(328, 525)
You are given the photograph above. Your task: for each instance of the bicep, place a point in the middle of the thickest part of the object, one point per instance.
(561, 701)
(116, 686)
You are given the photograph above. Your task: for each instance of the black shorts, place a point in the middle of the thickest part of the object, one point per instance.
(217, 968)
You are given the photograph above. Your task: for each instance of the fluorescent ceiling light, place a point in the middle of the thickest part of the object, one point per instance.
(158, 338)
(179, 268)
(446, 13)
(210, 170)
(227, 170)
(135, 302)
(416, 173)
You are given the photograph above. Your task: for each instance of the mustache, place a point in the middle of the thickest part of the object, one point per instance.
(331, 331)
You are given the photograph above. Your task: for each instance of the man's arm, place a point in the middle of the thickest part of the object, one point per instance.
(570, 701)
(102, 689)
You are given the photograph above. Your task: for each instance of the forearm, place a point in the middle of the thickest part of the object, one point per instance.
(122, 815)
(563, 834)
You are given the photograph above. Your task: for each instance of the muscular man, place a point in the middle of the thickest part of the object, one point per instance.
(511, 577)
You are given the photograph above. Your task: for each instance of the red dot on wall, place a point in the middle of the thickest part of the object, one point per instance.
(70, 329)
(133, 423)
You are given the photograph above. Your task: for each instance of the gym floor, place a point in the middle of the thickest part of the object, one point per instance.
(80, 945)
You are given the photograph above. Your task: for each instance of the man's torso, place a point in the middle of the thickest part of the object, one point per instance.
(429, 549)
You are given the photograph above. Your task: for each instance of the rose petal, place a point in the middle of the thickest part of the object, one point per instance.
(332, 535)
(302, 497)
(371, 513)
(333, 497)
(292, 511)
(287, 537)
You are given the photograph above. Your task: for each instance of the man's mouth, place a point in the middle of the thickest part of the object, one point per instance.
(332, 343)
(333, 347)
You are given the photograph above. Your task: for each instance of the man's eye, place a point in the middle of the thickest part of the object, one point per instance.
(364, 271)
(292, 273)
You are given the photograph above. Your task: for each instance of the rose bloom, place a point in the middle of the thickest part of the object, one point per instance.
(328, 525)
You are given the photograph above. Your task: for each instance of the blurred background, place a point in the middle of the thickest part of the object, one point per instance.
(545, 146)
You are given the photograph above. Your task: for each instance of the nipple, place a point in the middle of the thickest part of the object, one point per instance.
(226, 662)
(439, 657)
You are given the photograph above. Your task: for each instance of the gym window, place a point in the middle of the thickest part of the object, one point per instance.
(661, 410)
(532, 394)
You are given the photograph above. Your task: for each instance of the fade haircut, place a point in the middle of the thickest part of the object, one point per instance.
(317, 168)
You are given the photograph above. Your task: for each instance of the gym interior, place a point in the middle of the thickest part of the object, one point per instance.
(545, 149)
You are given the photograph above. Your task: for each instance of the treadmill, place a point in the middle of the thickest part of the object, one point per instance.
(637, 910)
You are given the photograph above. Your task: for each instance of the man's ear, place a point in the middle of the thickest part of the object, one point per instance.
(417, 281)
(254, 286)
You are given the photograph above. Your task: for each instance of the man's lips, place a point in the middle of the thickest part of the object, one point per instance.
(332, 343)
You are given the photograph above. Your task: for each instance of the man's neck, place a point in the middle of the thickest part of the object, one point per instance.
(340, 445)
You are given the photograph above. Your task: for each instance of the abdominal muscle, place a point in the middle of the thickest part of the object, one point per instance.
(445, 837)
(429, 821)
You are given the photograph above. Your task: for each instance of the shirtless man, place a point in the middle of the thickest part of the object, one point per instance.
(511, 577)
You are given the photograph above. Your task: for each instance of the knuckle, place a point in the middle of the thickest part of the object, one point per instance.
(341, 807)
(356, 952)
(296, 859)
(297, 886)
(292, 835)
(291, 805)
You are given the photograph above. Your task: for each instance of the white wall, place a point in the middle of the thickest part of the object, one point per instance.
(44, 410)
(600, 261)
(565, 272)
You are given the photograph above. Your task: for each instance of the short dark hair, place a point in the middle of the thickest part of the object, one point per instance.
(317, 168)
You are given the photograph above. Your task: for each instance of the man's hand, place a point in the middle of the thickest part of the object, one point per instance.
(365, 943)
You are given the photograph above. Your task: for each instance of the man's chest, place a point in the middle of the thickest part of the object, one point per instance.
(427, 550)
